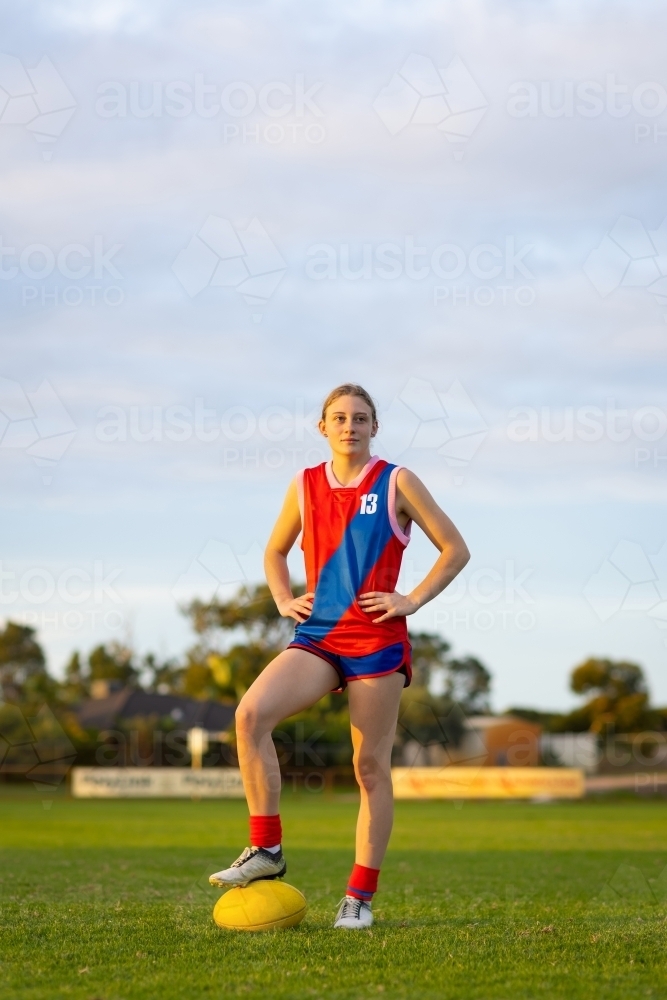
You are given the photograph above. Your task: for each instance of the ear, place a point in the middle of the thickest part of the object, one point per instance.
(320, 426)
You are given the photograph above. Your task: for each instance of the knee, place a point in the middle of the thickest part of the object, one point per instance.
(371, 772)
(249, 719)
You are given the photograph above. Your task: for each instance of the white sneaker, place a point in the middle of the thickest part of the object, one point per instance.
(354, 914)
(254, 865)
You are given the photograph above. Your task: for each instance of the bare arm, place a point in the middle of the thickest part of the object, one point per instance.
(283, 537)
(414, 500)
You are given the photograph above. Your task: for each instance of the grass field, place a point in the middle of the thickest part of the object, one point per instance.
(109, 901)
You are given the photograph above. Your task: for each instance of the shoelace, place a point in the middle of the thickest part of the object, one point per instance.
(351, 907)
(247, 853)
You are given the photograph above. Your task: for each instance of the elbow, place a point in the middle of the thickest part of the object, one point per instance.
(269, 555)
(464, 555)
(269, 559)
(272, 556)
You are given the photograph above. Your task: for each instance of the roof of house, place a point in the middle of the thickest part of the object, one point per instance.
(130, 703)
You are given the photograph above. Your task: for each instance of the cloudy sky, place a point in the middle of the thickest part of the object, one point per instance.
(211, 213)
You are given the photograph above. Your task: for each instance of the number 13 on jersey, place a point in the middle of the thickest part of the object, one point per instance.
(369, 503)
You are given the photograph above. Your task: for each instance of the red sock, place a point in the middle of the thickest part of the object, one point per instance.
(265, 831)
(363, 882)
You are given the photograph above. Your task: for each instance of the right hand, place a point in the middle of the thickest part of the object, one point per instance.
(298, 608)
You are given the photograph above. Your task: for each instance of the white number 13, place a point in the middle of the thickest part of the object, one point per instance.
(369, 503)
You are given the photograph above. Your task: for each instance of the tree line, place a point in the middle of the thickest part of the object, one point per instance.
(236, 638)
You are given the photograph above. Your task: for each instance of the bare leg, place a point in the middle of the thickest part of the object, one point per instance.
(373, 714)
(295, 680)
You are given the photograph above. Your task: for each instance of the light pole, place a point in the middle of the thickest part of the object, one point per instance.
(197, 745)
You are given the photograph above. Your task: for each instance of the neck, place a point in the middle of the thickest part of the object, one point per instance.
(347, 467)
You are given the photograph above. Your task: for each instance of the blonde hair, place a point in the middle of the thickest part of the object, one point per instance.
(349, 389)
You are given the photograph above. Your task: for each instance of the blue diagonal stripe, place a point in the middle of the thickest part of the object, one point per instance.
(362, 544)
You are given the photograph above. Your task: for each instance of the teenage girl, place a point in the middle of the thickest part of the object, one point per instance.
(354, 514)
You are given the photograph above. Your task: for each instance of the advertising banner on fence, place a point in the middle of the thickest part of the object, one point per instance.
(487, 782)
(157, 782)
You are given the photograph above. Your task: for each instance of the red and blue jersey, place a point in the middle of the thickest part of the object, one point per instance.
(352, 544)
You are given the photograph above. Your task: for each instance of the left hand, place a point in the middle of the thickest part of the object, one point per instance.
(394, 605)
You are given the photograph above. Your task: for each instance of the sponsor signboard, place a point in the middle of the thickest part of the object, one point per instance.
(488, 782)
(157, 782)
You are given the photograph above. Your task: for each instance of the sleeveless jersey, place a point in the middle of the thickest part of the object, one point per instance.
(352, 543)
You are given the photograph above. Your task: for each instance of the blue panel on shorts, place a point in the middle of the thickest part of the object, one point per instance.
(349, 668)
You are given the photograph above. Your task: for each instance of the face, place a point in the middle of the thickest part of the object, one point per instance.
(348, 426)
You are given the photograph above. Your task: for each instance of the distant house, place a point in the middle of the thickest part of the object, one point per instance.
(506, 740)
(111, 703)
(487, 741)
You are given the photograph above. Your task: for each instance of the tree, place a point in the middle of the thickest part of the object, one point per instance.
(468, 683)
(427, 718)
(429, 655)
(621, 700)
(23, 674)
(75, 687)
(162, 677)
(212, 670)
(253, 611)
(112, 661)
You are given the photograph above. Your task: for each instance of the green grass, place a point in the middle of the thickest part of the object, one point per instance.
(109, 901)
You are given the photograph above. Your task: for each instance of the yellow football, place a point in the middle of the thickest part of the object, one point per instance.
(260, 906)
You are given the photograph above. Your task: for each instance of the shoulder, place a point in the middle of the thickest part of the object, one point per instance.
(411, 491)
(406, 480)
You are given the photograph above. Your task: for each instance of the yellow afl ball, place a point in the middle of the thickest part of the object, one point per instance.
(260, 906)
